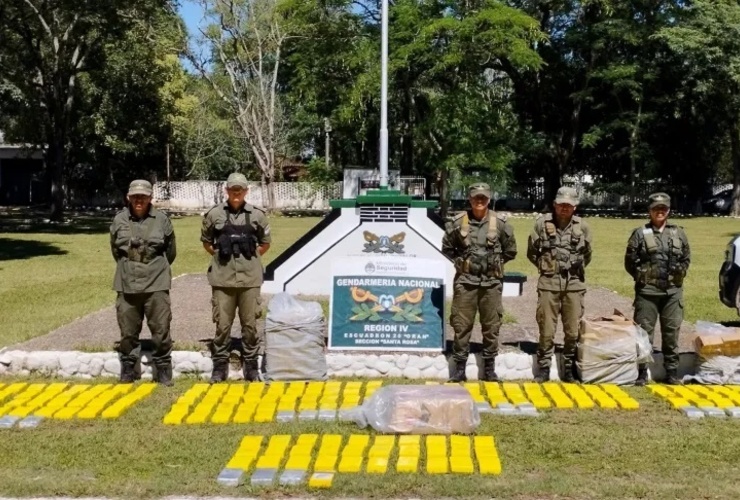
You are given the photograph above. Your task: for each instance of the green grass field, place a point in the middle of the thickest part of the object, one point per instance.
(50, 278)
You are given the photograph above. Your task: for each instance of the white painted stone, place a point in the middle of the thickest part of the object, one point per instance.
(205, 366)
(429, 372)
(186, 366)
(395, 372)
(84, 376)
(471, 371)
(357, 366)
(3, 369)
(360, 373)
(112, 366)
(17, 360)
(383, 367)
(84, 358)
(339, 361)
(424, 362)
(370, 360)
(370, 373)
(402, 361)
(343, 373)
(146, 376)
(83, 369)
(411, 372)
(68, 362)
(509, 361)
(523, 362)
(440, 362)
(46, 362)
(5, 358)
(23, 372)
(387, 357)
(180, 357)
(96, 366)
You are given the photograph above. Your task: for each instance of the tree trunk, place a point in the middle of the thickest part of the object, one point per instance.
(633, 163)
(552, 182)
(735, 143)
(55, 164)
(444, 192)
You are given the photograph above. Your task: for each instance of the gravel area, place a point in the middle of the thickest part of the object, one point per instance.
(191, 323)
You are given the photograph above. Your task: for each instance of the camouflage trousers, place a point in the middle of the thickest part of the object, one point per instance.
(226, 302)
(468, 300)
(131, 309)
(668, 307)
(552, 306)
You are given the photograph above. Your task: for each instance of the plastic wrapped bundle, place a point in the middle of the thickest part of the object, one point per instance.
(717, 354)
(294, 339)
(418, 409)
(610, 348)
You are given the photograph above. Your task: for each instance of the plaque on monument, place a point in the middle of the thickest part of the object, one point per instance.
(387, 304)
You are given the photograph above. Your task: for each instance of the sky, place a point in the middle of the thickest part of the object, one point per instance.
(192, 15)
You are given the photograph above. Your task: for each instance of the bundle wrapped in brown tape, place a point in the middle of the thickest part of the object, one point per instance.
(717, 354)
(418, 409)
(610, 348)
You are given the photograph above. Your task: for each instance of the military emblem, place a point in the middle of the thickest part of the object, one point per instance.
(383, 244)
(404, 307)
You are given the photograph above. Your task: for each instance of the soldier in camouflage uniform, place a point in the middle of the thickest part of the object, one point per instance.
(236, 234)
(479, 242)
(560, 247)
(143, 245)
(658, 258)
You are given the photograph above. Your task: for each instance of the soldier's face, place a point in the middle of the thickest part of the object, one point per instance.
(139, 203)
(236, 195)
(659, 214)
(479, 202)
(564, 210)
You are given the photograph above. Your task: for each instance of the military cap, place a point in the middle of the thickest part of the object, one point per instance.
(567, 195)
(140, 186)
(478, 189)
(659, 199)
(237, 179)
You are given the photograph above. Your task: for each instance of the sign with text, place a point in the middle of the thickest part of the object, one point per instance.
(391, 303)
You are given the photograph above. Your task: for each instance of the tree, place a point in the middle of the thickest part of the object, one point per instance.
(245, 42)
(46, 45)
(711, 55)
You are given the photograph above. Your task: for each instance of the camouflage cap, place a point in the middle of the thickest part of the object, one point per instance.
(237, 179)
(567, 195)
(140, 186)
(478, 189)
(659, 199)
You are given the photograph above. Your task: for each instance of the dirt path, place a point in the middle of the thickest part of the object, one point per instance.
(191, 323)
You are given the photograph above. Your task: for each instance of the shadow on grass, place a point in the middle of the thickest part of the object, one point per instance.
(12, 249)
(36, 220)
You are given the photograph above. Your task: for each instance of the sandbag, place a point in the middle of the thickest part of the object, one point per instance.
(294, 340)
(610, 348)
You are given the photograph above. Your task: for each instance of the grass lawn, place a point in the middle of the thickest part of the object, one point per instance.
(48, 279)
(652, 452)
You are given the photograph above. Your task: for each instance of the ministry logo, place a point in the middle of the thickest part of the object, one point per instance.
(370, 268)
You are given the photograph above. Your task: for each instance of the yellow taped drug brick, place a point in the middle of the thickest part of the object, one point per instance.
(408, 464)
(377, 465)
(321, 480)
(437, 465)
(486, 455)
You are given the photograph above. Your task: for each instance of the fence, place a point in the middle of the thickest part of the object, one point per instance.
(198, 195)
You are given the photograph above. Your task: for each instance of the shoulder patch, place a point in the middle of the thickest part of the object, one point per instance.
(502, 217)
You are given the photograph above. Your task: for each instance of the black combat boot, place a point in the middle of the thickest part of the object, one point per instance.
(569, 376)
(672, 377)
(542, 376)
(250, 370)
(489, 370)
(128, 376)
(642, 375)
(220, 370)
(458, 375)
(164, 374)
